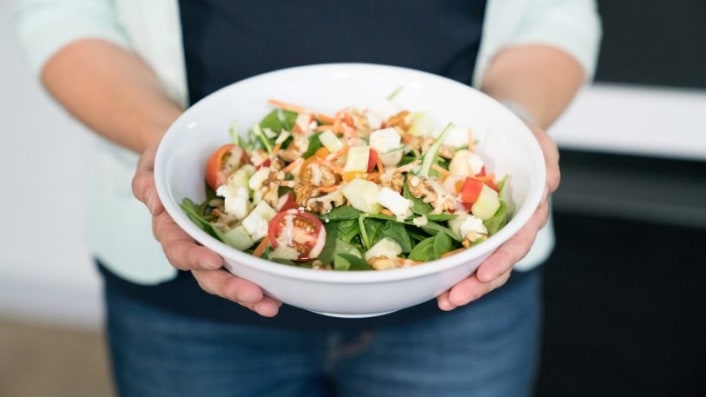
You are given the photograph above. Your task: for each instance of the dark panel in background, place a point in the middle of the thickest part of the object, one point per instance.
(624, 288)
(653, 42)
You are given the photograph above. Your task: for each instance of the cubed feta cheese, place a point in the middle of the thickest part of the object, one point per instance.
(236, 201)
(385, 140)
(395, 202)
(385, 248)
(256, 223)
(472, 228)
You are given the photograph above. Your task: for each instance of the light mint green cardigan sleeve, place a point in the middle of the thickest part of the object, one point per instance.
(44, 26)
(574, 26)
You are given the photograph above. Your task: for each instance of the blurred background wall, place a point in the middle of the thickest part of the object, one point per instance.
(45, 270)
(633, 149)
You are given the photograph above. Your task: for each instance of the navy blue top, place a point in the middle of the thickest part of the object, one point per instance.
(226, 41)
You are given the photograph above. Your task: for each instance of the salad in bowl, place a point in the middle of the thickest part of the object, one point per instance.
(337, 197)
(365, 188)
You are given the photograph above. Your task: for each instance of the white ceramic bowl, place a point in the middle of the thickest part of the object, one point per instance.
(504, 139)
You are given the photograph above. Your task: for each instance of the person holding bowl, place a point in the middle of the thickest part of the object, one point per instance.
(128, 69)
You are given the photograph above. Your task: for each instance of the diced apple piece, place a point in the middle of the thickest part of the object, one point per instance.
(486, 204)
(330, 141)
(239, 238)
(357, 159)
(363, 195)
(387, 142)
(422, 124)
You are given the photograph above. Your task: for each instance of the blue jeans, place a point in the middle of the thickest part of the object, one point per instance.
(488, 348)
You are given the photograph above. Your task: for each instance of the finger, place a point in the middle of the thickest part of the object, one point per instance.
(469, 290)
(181, 250)
(514, 249)
(243, 292)
(143, 185)
(550, 150)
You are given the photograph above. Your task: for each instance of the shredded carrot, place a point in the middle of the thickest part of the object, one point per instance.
(380, 165)
(300, 109)
(335, 168)
(407, 262)
(336, 126)
(471, 143)
(339, 154)
(441, 170)
(454, 252)
(277, 148)
(328, 189)
(386, 211)
(294, 165)
(324, 118)
(345, 117)
(407, 167)
(348, 131)
(373, 177)
(261, 247)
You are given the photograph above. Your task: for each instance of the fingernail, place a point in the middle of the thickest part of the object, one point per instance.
(545, 197)
(151, 202)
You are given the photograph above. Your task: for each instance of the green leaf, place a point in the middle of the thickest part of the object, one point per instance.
(498, 220)
(378, 227)
(349, 262)
(195, 212)
(434, 228)
(431, 248)
(429, 158)
(346, 230)
(418, 207)
(343, 212)
(278, 120)
(394, 93)
(314, 145)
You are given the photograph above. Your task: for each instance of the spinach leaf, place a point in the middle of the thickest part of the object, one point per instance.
(349, 262)
(419, 207)
(498, 220)
(343, 212)
(440, 217)
(346, 230)
(278, 120)
(434, 228)
(376, 229)
(431, 248)
(195, 212)
(314, 145)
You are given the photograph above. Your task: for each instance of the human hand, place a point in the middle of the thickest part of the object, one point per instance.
(185, 254)
(496, 269)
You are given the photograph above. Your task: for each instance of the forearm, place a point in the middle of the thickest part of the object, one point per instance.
(111, 91)
(540, 78)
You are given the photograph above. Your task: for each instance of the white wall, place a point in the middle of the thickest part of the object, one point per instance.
(45, 269)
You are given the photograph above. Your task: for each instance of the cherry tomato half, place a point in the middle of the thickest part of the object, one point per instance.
(222, 163)
(299, 230)
(286, 202)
